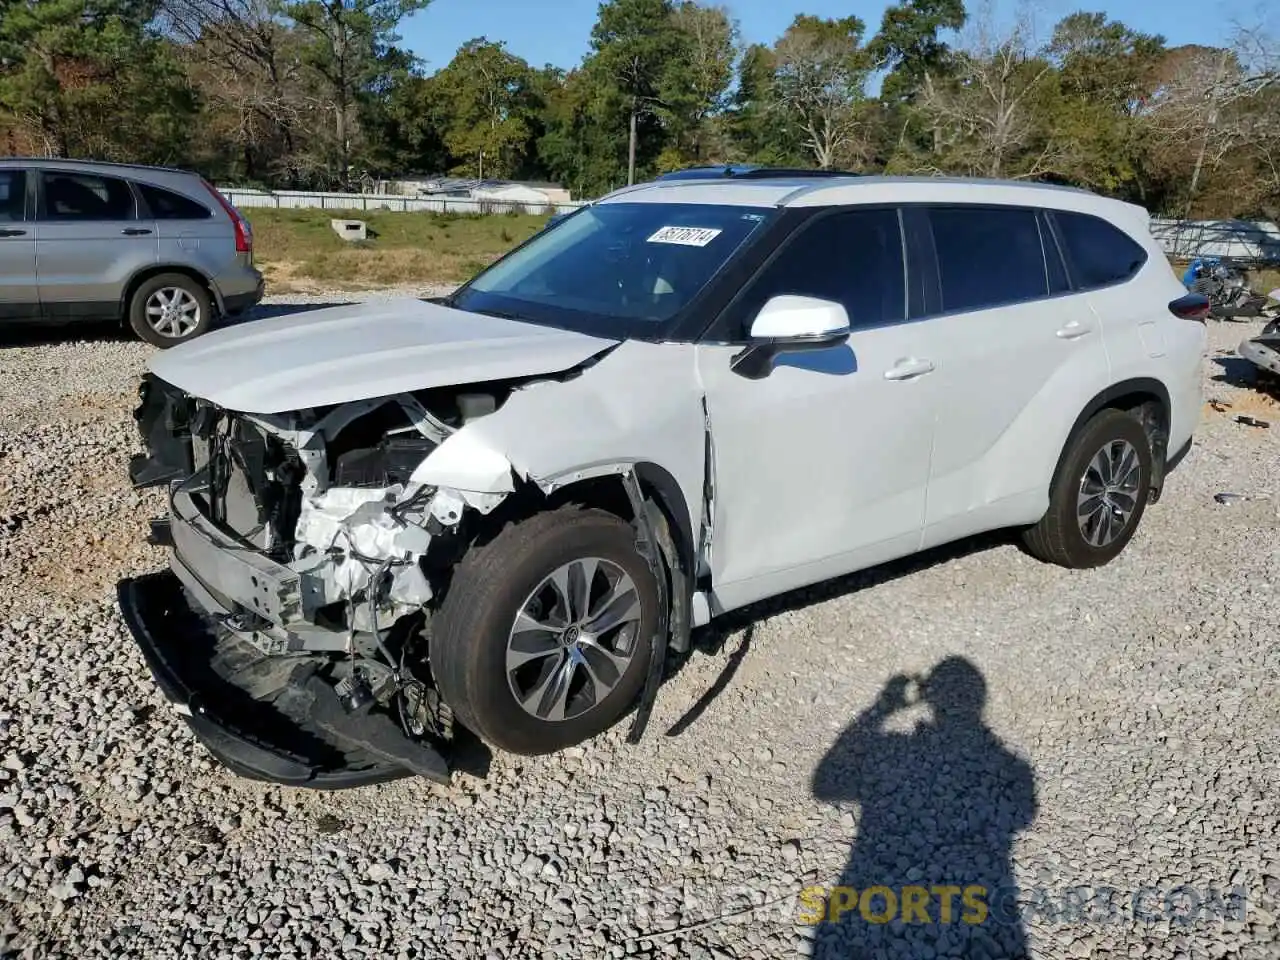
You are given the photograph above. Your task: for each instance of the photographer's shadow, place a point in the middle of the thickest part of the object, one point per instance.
(940, 806)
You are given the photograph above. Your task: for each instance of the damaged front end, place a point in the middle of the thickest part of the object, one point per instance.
(305, 548)
(1263, 351)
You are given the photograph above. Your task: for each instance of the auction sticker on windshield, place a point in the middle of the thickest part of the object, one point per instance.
(685, 236)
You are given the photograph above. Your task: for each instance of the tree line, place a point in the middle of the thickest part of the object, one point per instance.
(320, 94)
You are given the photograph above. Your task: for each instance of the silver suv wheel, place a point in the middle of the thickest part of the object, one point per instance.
(172, 312)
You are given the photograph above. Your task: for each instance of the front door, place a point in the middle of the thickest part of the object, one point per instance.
(19, 299)
(821, 467)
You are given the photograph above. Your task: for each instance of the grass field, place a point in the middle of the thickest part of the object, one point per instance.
(1264, 281)
(298, 250)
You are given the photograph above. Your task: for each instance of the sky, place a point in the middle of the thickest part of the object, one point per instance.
(558, 31)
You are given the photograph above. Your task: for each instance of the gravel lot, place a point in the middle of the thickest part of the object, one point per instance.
(1129, 741)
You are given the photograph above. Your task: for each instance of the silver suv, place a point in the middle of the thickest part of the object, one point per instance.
(160, 248)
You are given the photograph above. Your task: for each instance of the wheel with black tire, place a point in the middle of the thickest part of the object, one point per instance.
(543, 639)
(170, 309)
(1098, 496)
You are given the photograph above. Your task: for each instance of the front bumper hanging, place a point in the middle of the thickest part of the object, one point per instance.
(299, 737)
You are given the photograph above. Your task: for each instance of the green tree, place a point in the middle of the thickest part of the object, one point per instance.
(909, 47)
(579, 144)
(634, 43)
(350, 47)
(756, 130)
(820, 80)
(695, 85)
(410, 138)
(488, 102)
(88, 78)
(1105, 74)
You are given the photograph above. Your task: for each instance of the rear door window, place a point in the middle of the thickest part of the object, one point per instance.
(167, 205)
(13, 196)
(79, 197)
(988, 256)
(853, 257)
(1100, 253)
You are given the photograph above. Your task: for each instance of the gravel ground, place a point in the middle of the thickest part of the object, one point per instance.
(1110, 729)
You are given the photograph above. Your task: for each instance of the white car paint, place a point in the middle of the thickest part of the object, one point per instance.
(908, 435)
(788, 316)
(821, 467)
(1014, 386)
(358, 351)
(639, 404)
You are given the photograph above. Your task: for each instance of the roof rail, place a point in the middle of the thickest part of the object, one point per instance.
(750, 172)
(110, 164)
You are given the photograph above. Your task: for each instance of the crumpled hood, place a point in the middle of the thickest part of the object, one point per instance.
(360, 351)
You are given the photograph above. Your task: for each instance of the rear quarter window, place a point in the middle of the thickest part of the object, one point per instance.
(1100, 254)
(167, 205)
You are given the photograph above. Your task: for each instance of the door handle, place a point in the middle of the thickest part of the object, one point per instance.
(13, 233)
(909, 368)
(1073, 331)
(135, 231)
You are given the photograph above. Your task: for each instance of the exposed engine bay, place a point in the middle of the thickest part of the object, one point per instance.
(356, 498)
(313, 544)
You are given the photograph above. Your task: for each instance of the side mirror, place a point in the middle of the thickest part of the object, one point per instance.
(788, 324)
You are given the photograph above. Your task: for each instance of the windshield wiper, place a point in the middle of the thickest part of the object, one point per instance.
(503, 315)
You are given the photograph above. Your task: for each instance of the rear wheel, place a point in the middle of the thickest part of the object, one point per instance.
(543, 639)
(1099, 496)
(170, 309)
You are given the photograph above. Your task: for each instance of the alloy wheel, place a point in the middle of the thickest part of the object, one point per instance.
(1109, 492)
(172, 312)
(573, 639)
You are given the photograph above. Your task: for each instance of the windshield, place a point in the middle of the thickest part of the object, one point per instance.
(618, 269)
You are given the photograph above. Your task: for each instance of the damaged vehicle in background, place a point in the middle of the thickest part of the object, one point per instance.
(1263, 351)
(499, 511)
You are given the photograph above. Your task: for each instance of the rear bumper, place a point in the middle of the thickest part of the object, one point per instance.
(243, 296)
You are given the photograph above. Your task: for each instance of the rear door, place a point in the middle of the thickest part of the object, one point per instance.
(91, 242)
(19, 299)
(1019, 356)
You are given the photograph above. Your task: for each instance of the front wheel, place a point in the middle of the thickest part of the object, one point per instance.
(543, 640)
(1098, 497)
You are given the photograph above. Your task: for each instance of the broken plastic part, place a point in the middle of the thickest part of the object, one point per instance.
(463, 462)
(647, 547)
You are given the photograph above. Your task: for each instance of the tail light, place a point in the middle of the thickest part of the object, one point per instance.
(1194, 306)
(244, 232)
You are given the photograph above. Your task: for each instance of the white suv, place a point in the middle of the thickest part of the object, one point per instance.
(503, 507)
